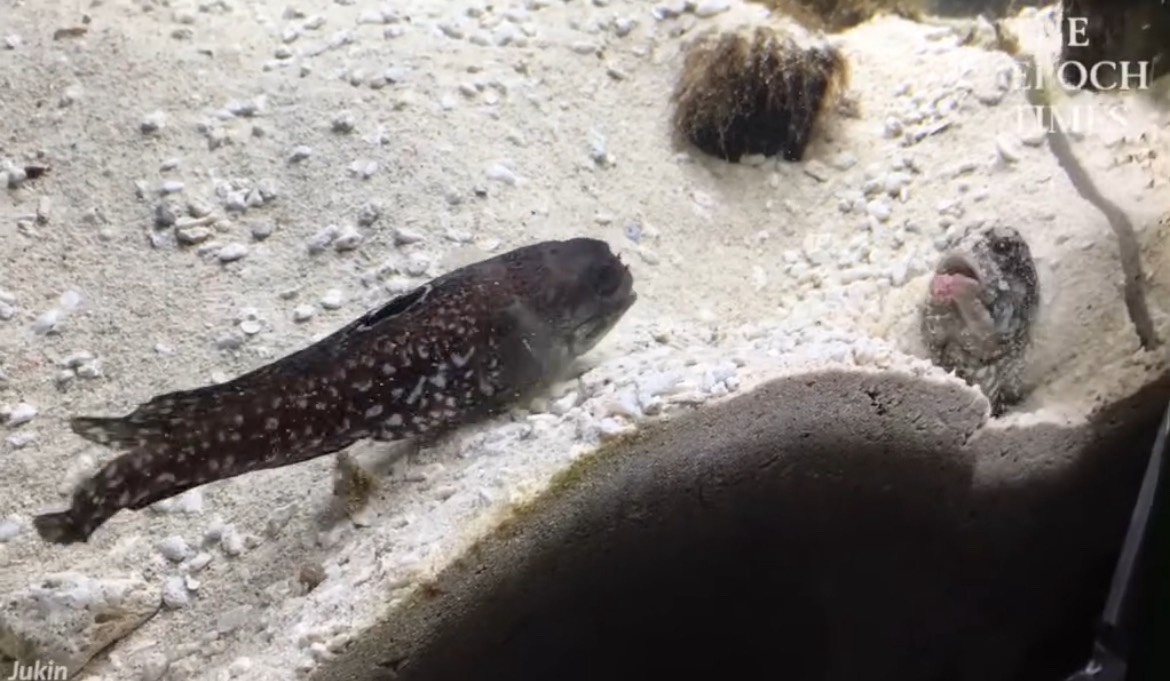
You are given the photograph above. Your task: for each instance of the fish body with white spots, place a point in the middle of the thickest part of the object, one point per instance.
(463, 347)
(978, 316)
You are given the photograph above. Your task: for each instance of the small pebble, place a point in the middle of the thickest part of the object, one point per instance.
(368, 214)
(193, 235)
(303, 313)
(1034, 138)
(879, 210)
(190, 501)
(406, 235)
(261, 230)
(21, 440)
(10, 527)
(244, 109)
(69, 96)
(585, 47)
(174, 548)
(417, 265)
(394, 74)
(624, 26)
(451, 31)
(174, 593)
(236, 202)
(501, 173)
(214, 532)
(69, 300)
(1006, 149)
(322, 239)
(300, 153)
(90, 370)
(153, 122)
(344, 122)
(200, 561)
(166, 214)
(843, 161)
(709, 8)
(240, 667)
(230, 340)
(231, 541)
(333, 299)
(634, 232)
(197, 208)
(232, 252)
(44, 210)
(269, 189)
(348, 239)
(19, 415)
(892, 128)
(363, 168)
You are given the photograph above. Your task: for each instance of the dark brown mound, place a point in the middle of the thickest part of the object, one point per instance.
(838, 15)
(755, 91)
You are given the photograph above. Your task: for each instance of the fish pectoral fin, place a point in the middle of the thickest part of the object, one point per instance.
(59, 528)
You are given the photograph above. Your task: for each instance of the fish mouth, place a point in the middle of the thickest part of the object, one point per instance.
(611, 308)
(621, 297)
(957, 288)
(624, 295)
(956, 280)
(956, 264)
(627, 303)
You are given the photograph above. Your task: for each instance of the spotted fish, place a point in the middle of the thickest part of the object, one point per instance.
(978, 317)
(460, 348)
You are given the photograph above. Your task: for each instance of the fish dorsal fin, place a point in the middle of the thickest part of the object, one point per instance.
(396, 307)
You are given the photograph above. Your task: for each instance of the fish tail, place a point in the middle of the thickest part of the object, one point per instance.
(190, 448)
(131, 481)
(269, 418)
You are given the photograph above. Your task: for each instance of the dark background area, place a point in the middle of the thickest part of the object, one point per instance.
(869, 553)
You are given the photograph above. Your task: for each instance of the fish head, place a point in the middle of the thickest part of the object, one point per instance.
(983, 295)
(585, 290)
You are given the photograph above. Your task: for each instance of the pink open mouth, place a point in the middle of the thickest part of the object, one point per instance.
(954, 280)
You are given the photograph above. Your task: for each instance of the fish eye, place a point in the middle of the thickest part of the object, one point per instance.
(1001, 245)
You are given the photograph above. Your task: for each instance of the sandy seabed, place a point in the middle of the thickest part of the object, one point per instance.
(347, 151)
